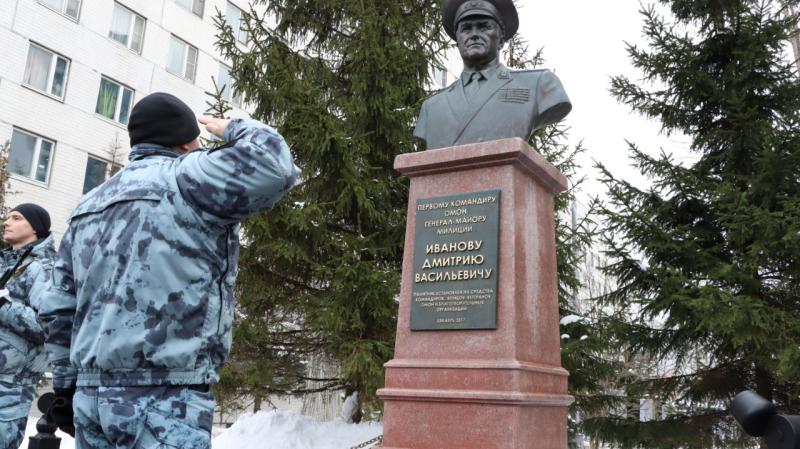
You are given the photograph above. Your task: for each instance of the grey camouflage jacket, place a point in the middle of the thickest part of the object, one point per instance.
(22, 354)
(143, 288)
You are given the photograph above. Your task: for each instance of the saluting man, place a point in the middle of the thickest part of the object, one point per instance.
(140, 313)
(27, 269)
(488, 101)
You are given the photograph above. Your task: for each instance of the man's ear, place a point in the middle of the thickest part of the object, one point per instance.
(188, 146)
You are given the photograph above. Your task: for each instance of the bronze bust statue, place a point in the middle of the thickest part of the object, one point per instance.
(488, 101)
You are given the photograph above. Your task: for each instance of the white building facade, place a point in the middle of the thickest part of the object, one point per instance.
(70, 72)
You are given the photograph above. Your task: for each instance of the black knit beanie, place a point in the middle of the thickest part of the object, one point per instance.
(162, 119)
(37, 217)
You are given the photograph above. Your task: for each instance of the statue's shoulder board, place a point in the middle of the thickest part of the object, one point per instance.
(529, 78)
(532, 73)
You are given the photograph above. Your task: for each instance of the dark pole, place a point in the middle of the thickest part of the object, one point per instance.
(46, 437)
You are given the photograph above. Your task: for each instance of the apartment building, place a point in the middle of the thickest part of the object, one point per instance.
(70, 72)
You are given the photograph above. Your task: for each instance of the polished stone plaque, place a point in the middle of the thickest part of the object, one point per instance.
(455, 262)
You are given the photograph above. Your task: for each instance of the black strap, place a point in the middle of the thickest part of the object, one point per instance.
(225, 145)
(7, 275)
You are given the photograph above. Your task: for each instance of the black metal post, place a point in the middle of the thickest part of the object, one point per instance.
(759, 418)
(46, 437)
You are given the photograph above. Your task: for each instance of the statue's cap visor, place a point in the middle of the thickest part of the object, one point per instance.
(503, 11)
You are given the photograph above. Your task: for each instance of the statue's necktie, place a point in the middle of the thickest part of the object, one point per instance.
(473, 85)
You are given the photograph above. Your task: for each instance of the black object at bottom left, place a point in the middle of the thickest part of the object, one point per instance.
(46, 437)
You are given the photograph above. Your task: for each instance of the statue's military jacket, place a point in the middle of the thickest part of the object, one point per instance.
(22, 354)
(143, 288)
(508, 104)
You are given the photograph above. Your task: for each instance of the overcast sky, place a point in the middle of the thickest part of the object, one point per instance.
(584, 43)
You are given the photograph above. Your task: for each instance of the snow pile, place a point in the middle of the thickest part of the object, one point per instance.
(279, 429)
(282, 429)
(569, 319)
(349, 407)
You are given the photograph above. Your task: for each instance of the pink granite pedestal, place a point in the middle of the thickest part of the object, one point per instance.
(485, 389)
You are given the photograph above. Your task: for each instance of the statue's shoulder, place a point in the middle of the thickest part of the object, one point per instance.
(527, 70)
(530, 77)
(529, 73)
(439, 94)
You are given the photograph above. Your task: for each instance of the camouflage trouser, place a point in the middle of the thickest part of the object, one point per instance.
(12, 432)
(142, 418)
(15, 403)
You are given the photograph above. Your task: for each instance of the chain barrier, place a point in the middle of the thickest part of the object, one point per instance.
(377, 439)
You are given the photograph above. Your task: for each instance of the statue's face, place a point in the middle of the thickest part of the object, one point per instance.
(479, 39)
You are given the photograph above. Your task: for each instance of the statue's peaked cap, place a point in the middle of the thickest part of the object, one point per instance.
(452, 11)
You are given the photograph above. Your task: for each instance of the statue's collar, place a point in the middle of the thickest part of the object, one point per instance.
(487, 73)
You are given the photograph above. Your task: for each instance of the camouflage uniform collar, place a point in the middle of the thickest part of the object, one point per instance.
(40, 247)
(144, 150)
(11, 255)
(11, 252)
(43, 246)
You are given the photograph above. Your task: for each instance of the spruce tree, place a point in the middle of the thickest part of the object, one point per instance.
(584, 344)
(5, 177)
(5, 183)
(342, 81)
(707, 258)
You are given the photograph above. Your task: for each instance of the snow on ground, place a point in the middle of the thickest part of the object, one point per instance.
(278, 429)
(282, 429)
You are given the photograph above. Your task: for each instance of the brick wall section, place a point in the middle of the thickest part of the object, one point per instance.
(72, 122)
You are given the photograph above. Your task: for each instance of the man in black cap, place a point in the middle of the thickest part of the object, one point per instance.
(25, 274)
(140, 314)
(488, 101)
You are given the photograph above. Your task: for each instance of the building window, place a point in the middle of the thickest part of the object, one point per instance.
(30, 155)
(225, 82)
(69, 8)
(46, 71)
(195, 6)
(97, 172)
(114, 101)
(235, 19)
(127, 28)
(182, 59)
